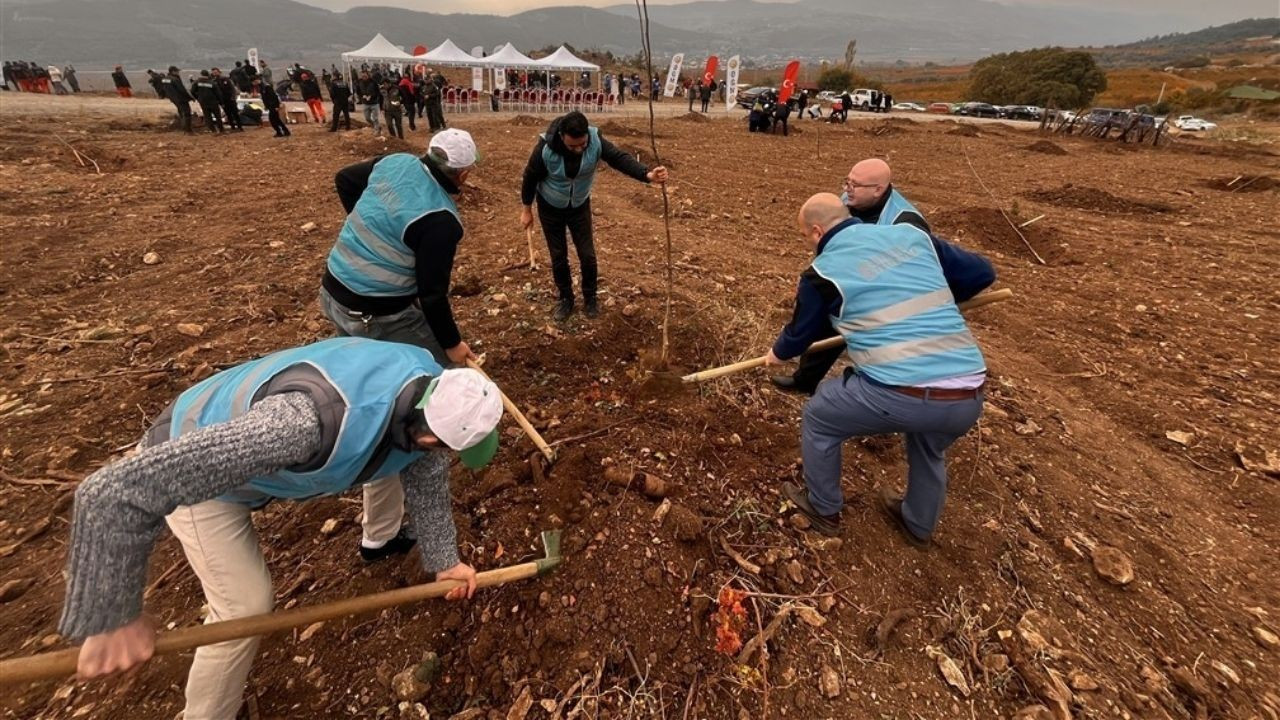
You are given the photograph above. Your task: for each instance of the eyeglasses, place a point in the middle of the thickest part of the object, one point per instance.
(849, 184)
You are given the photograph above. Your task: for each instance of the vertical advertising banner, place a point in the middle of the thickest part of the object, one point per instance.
(708, 75)
(477, 73)
(731, 80)
(673, 75)
(252, 55)
(789, 81)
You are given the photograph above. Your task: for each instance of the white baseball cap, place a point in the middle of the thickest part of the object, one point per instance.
(462, 407)
(457, 146)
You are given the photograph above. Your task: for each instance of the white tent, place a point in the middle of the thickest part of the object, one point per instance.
(447, 54)
(379, 49)
(562, 59)
(510, 57)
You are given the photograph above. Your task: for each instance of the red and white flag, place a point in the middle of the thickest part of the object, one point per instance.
(713, 64)
(789, 81)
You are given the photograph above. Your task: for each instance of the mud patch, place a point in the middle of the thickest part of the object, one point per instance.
(613, 128)
(1047, 147)
(888, 128)
(527, 121)
(986, 229)
(1087, 198)
(694, 117)
(965, 130)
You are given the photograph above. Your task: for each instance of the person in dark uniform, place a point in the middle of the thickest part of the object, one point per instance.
(206, 93)
(560, 172)
(704, 93)
(409, 97)
(177, 94)
(153, 79)
(392, 109)
(801, 103)
(227, 96)
(340, 94)
(272, 102)
(123, 88)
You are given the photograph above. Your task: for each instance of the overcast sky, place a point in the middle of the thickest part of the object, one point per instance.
(1199, 11)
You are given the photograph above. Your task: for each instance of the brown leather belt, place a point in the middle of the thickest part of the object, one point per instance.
(940, 393)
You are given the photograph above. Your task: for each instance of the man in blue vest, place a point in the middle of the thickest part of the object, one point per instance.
(870, 197)
(313, 420)
(917, 369)
(387, 278)
(559, 174)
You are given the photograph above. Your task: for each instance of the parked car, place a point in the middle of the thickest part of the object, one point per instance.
(978, 109)
(1192, 123)
(861, 99)
(940, 108)
(1063, 115)
(1021, 112)
(908, 107)
(747, 97)
(1102, 116)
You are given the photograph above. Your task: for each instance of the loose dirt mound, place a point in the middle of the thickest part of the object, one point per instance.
(694, 117)
(888, 127)
(527, 121)
(1087, 198)
(1242, 183)
(613, 128)
(987, 230)
(1047, 147)
(965, 129)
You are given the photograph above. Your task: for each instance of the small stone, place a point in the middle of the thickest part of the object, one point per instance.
(548, 705)
(1139, 308)
(189, 329)
(1027, 428)
(499, 298)
(1033, 712)
(829, 682)
(795, 571)
(330, 526)
(1113, 565)
(826, 603)
(50, 640)
(810, 616)
(799, 521)
(1226, 671)
(629, 309)
(1081, 681)
(413, 711)
(14, 589)
(151, 258)
(407, 687)
(1266, 638)
(995, 662)
(310, 630)
(308, 227)
(544, 599)
(275, 244)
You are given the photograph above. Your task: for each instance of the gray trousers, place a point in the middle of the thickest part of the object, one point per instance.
(384, 497)
(852, 406)
(372, 116)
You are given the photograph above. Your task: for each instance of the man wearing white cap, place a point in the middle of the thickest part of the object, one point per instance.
(308, 421)
(388, 275)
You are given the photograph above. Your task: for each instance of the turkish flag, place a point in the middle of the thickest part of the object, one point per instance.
(713, 64)
(420, 50)
(789, 80)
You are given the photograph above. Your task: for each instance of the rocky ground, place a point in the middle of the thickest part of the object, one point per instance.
(1109, 546)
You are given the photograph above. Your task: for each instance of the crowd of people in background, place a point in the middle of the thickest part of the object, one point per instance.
(31, 77)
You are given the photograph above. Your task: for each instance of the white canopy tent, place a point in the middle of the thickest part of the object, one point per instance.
(562, 59)
(447, 54)
(510, 57)
(379, 49)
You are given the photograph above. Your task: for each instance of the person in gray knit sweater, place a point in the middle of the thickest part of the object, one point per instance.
(303, 422)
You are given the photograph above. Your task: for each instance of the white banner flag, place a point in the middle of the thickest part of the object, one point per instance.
(731, 82)
(252, 55)
(477, 74)
(673, 75)
(499, 74)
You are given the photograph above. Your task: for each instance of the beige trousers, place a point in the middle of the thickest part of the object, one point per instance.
(222, 547)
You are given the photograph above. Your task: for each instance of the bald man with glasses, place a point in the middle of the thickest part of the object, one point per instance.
(871, 198)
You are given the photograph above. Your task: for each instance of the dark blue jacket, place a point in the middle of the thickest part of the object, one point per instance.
(817, 299)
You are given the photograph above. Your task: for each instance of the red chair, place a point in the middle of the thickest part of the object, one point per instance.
(608, 102)
(473, 100)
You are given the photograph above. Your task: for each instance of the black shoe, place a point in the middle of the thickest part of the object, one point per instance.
(591, 308)
(563, 310)
(402, 543)
(828, 525)
(891, 505)
(790, 384)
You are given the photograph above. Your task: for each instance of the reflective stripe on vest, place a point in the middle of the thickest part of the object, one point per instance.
(899, 321)
(370, 256)
(366, 376)
(557, 189)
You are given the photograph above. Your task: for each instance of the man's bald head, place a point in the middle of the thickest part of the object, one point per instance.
(819, 214)
(867, 182)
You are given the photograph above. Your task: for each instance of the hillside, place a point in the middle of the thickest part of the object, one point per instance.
(1254, 35)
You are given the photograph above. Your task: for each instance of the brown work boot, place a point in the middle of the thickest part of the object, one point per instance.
(890, 503)
(828, 525)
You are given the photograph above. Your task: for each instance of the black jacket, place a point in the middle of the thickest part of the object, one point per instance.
(174, 90)
(227, 90)
(310, 88)
(367, 92)
(206, 91)
(340, 93)
(536, 170)
(120, 79)
(269, 97)
(434, 240)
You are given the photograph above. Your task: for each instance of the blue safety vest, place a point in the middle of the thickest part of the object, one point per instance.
(557, 189)
(897, 315)
(355, 383)
(897, 209)
(370, 257)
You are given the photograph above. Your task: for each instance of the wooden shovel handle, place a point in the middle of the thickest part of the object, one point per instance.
(55, 665)
(520, 419)
(974, 302)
